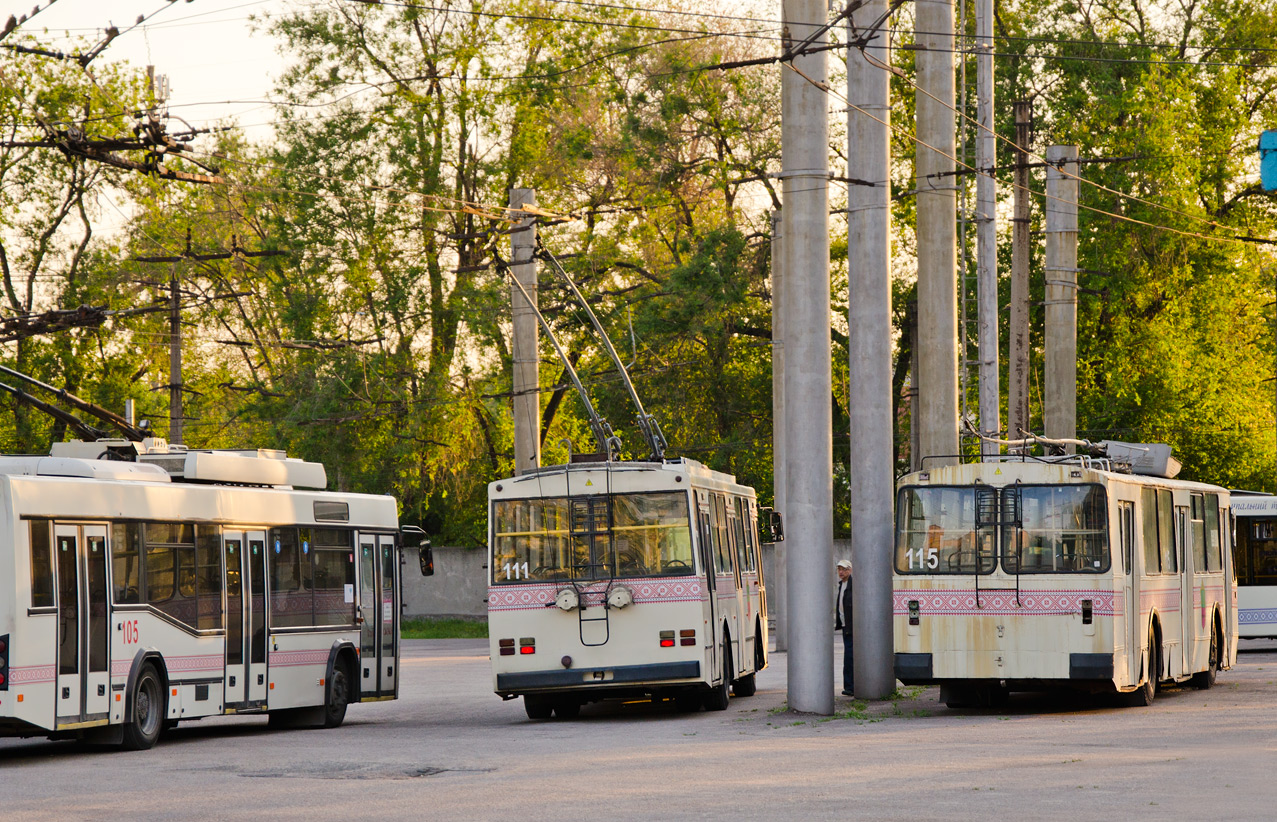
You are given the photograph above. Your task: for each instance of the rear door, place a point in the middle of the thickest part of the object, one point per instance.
(82, 654)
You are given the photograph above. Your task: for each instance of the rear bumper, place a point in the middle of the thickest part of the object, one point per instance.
(621, 675)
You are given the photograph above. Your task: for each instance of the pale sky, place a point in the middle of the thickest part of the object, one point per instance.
(206, 47)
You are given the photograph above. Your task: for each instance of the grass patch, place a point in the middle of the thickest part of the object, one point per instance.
(443, 629)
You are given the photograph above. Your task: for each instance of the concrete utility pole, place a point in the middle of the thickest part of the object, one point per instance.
(809, 484)
(1018, 421)
(986, 196)
(175, 413)
(777, 601)
(869, 344)
(937, 234)
(1059, 414)
(523, 347)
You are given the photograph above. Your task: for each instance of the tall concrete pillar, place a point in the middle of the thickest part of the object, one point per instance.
(523, 347)
(937, 234)
(777, 601)
(987, 233)
(809, 486)
(1059, 413)
(869, 347)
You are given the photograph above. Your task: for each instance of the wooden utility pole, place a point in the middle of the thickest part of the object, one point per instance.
(1018, 362)
(1059, 412)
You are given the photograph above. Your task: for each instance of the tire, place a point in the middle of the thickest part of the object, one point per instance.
(147, 709)
(718, 696)
(1205, 680)
(338, 696)
(537, 706)
(745, 686)
(567, 709)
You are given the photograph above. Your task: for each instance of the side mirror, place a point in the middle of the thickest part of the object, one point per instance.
(410, 536)
(775, 526)
(426, 556)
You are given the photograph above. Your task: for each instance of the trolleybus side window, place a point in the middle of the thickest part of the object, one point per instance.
(1126, 514)
(1214, 560)
(126, 563)
(1166, 533)
(291, 603)
(41, 565)
(208, 576)
(1148, 506)
(334, 577)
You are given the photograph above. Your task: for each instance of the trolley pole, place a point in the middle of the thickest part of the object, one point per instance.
(1018, 422)
(986, 233)
(809, 486)
(526, 401)
(937, 234)
(776, 590)
(1059, 414)
(869, 343)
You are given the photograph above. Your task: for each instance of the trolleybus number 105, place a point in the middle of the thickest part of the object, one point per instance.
(129, 629)
(931, 560)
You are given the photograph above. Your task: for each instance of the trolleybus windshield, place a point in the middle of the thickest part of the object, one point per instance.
(598, 537)
(1042, 529)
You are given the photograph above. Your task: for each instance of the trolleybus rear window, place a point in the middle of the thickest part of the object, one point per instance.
(621, 535)
(1041, 529)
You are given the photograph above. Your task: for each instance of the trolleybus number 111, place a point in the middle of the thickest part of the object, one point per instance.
(931, 559)
(513, 571)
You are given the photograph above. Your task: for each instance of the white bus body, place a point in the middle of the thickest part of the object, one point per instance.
(1124, 581)
(131, 602)
(624, 580)
(1255, 556)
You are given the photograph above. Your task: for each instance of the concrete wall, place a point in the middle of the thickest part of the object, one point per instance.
(459, 587)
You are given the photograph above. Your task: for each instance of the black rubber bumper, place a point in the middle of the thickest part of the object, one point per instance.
(914, 668)
(1090, 666)
(620, 675)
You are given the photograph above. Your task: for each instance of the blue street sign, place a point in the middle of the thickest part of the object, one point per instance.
(1268, 160)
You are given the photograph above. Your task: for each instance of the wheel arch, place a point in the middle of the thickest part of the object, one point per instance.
(344, 652)
(141, 658)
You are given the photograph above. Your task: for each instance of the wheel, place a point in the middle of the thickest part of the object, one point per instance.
(718, 696)
(338, 696)
(147, 709)
(745, 686)
(537, 706)
(1203, 680)
(567, 709)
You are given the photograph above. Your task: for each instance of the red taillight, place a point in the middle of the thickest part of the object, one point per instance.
(667, 643)
(527, 649)
(527, 645)
(1, 679)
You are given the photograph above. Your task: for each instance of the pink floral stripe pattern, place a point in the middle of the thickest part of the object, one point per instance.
(288, 659)
(538, 595)
(962, 602)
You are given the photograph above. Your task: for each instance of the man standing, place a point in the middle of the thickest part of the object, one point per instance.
(842, 622)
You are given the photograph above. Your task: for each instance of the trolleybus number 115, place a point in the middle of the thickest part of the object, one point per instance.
(129, 628)
(512, 571)
(931, 560)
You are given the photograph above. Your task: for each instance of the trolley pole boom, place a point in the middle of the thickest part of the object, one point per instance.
(647, 423)
(608, 442)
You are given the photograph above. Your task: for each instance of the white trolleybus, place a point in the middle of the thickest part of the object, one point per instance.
(144, 585)
(615, 579)
(1031, 574)
(612, 579)
(1255, 555)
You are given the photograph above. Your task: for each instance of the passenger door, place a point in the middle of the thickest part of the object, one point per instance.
(379, 613)
(1133, 635)
(83, 668)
